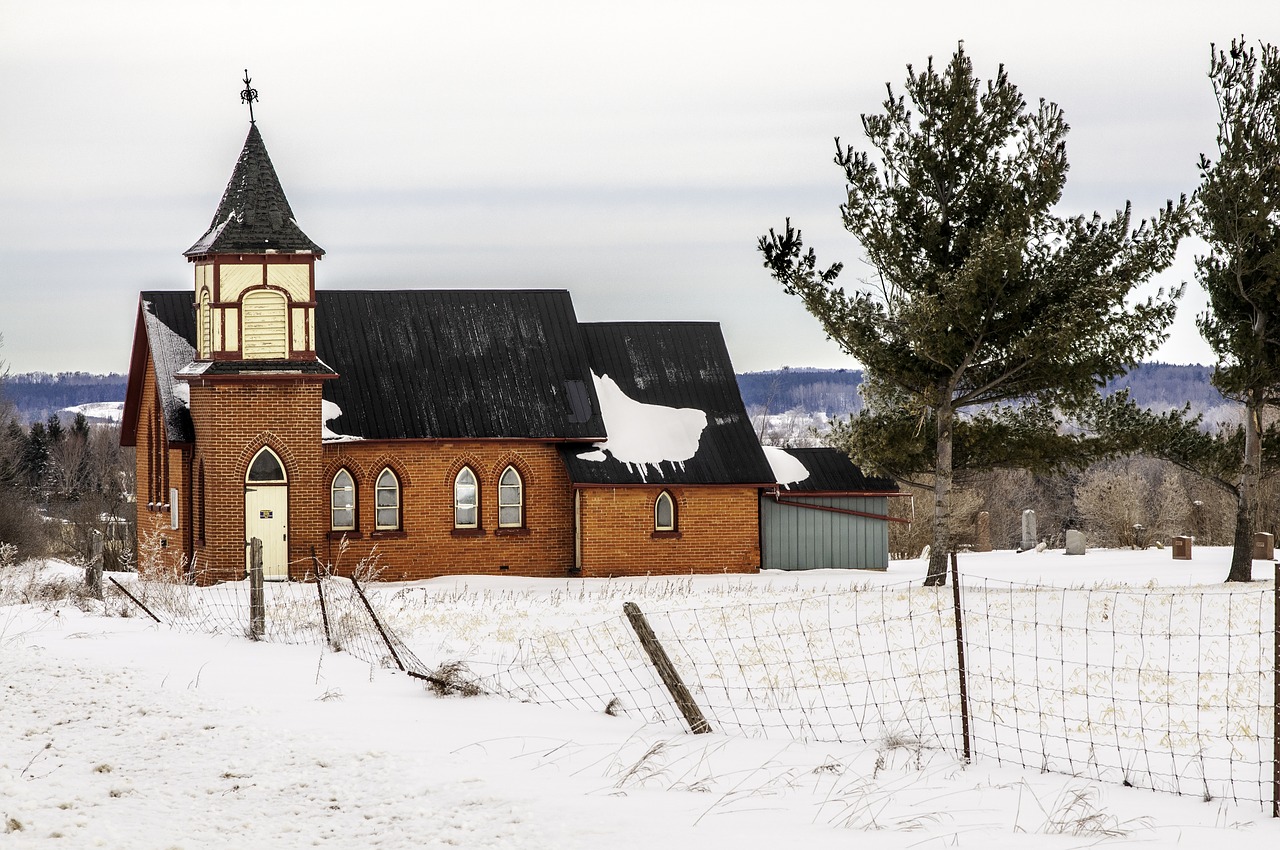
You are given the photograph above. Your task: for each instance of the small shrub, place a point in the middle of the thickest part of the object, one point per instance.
(453, 677)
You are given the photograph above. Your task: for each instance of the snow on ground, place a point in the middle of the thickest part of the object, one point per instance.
(116, 732)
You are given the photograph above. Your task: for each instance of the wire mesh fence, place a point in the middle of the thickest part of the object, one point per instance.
(1167, 689)
(1172, 690)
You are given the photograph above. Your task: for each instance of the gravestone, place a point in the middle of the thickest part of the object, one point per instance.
(1029, 535)
(983, 543)
(1075, 542)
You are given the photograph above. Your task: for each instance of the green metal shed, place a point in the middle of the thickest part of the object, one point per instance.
(824, 513)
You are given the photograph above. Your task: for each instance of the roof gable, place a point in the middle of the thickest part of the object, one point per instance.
(253, 216)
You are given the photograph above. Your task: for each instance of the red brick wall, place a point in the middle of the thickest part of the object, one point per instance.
(427, 544)
(233, 421)
(158, 467)
(717, 531)
(717, 526)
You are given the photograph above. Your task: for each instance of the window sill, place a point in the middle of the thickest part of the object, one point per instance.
(388, 534)
(513, 531)
(665, 535)
(468, 532)
(350, 534)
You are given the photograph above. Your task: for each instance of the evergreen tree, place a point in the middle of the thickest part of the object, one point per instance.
(1238, 207)
(981, 293)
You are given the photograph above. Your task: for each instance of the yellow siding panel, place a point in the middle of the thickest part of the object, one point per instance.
(292, 278)
(233, 329)
(217, 329)
(236, 279)
(299, 329)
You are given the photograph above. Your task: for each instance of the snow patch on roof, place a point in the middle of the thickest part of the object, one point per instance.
(643, 435)
(328, 412)
(787, 469)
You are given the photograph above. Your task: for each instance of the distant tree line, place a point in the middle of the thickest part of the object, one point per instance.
(36, 395)
(836, 392)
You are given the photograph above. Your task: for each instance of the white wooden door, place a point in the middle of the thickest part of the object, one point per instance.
(266, 517)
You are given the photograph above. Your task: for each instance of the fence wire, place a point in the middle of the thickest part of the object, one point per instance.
(1172, 690)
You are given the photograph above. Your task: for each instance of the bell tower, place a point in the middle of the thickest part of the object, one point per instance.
(255, 290)
(255, 397)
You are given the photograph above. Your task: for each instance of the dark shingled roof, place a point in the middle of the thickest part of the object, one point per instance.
(171, 335)
(675, 365)
(456, 364)
(254, 215)
(435, 363)
(831, 471)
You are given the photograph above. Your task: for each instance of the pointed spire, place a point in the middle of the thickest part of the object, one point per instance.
(254, 215)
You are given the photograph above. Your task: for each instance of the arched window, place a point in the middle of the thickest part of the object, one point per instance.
(265, 468)
(342, 502)
(388, 501)
(206, 325)
(664, 512)
(510, 499)
(466, 500)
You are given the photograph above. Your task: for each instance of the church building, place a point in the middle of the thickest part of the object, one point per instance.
(435, 432)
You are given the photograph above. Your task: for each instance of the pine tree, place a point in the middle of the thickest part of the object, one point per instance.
(981, 293)
(1238, 214)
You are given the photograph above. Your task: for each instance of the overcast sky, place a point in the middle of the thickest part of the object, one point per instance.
(631, 154)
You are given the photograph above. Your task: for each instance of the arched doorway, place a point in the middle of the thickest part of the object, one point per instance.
(266, 514)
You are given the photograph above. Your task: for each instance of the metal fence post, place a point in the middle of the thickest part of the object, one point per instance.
(1275, 704)
(257, 604)
(962, 672)
(666, 670)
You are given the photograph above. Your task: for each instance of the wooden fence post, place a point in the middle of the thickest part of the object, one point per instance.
(963, 673)
(257, 604)
(1275, 706)
(666, 670)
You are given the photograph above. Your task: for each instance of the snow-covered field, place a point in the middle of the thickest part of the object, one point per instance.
(116, 732)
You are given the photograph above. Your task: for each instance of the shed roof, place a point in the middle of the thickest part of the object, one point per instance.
(672, 369)
(253, 216)
(831, 471)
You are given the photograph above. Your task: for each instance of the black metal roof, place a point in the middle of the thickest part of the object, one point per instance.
(831, 471)
(171, 335)
(456, 364)
(254, 216)
(451, 364)
(672, 365)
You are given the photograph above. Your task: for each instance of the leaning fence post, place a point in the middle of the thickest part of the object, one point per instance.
(963, 674)
(395, 656)
(666, 670)
(136, 600)
(257, 605)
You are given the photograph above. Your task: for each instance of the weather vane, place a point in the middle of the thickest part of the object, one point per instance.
(249, 95)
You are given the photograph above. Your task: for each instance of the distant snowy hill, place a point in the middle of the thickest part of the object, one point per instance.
(95, 411)
(37, 395)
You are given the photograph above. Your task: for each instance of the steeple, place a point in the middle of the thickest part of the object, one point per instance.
(254, 216)
(255, 270)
